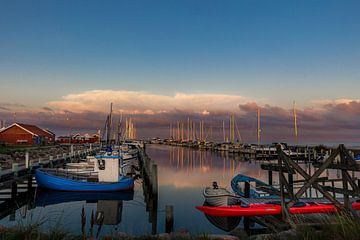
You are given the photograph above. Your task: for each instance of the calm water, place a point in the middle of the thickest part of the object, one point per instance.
(182, 175)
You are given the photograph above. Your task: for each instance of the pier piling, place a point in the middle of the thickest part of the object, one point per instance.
(13, 189)
(169, 219)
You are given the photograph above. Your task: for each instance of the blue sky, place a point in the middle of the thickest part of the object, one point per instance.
(161, 61)
(275, 50)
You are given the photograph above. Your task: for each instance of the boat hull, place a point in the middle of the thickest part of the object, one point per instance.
(219, 197)
(49, 181)
(268, 209)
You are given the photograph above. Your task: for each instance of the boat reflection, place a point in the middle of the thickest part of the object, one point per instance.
(226, 224)
(109, 206)
(47, 197)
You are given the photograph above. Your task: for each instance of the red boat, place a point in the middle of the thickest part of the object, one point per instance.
(260, 209)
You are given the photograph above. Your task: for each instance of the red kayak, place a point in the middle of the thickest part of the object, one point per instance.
(260, 209)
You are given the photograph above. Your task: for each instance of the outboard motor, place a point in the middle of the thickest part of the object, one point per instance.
(215, 185)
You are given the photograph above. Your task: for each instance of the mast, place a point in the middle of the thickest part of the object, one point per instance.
(170, 136)
(182, 131)
(232, 128)
(295, 124)
(178, 131)
(238, 131)
(108, 136)
(258, 125)
(223, 123)
(188, 129)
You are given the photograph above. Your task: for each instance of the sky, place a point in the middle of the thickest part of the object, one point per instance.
(161, 61)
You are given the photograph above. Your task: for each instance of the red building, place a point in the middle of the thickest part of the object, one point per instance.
(25, 134)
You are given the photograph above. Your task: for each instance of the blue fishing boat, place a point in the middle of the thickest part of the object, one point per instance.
(257, 187)
(71, 182)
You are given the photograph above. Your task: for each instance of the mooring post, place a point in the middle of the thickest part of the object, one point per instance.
(15, 168)
(270, 175)
(29, 182)
(27, 163)
(13, 189)
(247, 190)
(291, 182)
(154, 180)
(169, 219)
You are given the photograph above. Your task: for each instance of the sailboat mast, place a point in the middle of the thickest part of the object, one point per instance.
(295, 124)
(188, 129)
(258, 126)
(223, 123)
(108, 140)
(170, 136)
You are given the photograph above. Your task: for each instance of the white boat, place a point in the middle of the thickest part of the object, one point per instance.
(216, 196)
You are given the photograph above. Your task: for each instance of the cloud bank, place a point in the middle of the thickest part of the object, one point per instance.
(335, 120)
(132, 102)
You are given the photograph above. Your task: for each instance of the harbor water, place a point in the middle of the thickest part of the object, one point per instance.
(182, 175)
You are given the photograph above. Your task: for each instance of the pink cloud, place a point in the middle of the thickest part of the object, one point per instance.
(152, 113)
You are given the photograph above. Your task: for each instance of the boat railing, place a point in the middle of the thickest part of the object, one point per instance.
(75, 175)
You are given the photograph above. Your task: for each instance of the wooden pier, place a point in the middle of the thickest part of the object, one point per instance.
(149, 174)
(17, 185)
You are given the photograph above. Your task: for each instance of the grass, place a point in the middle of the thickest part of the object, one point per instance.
(33, 232)
(341, 226)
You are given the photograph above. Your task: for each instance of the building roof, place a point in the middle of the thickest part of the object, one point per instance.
(32, 129)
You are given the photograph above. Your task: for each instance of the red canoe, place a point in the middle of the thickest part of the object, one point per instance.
(260, 209)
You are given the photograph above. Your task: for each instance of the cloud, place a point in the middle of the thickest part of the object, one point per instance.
(326, 120)
(133, 102)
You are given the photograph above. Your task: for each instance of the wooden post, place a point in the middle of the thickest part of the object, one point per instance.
(169, 219)
(247, 190)
(344, 179)
(154, 180)
(282, 196)
(13, 189)
(27, 163)
(29, 182)
(270, 175)
(291, 182)
(15, 168)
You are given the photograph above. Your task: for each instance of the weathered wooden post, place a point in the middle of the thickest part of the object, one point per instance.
(154, 180)
(270, 175)
(29, 182)
(169, 219)
(291, 182)
(13, 189)
(27, 162)
(343, 176)
(247, 190)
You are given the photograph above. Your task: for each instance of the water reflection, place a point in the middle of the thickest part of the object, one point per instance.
(182, 175)
(226, 224)
(47, 197)
(186, 167)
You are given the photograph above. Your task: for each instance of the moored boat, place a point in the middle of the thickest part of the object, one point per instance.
(256, 189)
(261, 209)
(217, 196)
(50, 180)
